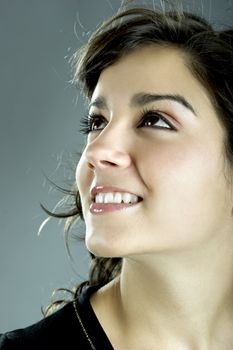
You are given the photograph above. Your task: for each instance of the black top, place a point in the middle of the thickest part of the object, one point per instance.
(64, 329)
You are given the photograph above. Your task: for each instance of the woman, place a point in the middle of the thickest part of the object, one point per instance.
(154, 187)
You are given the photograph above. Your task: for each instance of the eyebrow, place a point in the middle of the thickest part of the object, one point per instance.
(142, 99)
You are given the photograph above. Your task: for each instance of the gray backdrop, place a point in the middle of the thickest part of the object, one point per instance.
(39, 124)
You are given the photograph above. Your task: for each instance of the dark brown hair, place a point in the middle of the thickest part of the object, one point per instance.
(209, 56)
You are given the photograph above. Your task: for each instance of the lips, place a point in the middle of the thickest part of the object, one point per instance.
(100, 208)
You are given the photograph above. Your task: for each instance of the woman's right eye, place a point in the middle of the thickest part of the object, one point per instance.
(91, 123)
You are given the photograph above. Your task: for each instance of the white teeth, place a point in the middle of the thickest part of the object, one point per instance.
(108, 198)
(116, 197)
(99, 198)
(127, 198)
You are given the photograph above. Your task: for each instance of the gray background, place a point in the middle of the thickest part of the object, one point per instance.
(39, 122)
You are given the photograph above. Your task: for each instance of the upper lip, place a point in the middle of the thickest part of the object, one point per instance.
(105, 189)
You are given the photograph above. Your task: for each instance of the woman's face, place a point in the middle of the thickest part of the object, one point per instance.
(156, 135)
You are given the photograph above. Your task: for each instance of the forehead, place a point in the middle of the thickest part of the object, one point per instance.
(153, 69)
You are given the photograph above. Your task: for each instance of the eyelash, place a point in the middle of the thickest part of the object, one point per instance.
(87, 121)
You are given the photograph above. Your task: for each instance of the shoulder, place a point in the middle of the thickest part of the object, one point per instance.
(75, 323)
(50, 332)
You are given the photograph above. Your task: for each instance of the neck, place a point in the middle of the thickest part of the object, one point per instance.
(184, 295)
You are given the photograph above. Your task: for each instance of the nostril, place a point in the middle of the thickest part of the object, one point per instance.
(90, 166)
(107, 163)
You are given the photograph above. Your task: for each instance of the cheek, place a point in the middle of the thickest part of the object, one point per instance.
(188, 190)
(189, 172)
(183, 195)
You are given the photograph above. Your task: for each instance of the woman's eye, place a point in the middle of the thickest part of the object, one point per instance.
(91, 123)
(156, 120)
(96, 123)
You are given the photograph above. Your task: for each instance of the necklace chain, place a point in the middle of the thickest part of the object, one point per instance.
(82, 326)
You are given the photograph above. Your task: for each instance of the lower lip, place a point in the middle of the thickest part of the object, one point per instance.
(99, 208)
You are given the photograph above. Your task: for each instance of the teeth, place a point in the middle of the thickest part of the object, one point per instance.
(99, 198)
(108, 198)
(116, 197)
(127, 198)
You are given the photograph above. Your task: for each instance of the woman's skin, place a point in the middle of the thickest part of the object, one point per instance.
(176, 286)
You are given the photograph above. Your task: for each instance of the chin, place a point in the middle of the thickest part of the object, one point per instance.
(102, 250)
(108, 247)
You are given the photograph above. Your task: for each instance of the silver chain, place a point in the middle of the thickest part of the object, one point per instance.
(82, 325)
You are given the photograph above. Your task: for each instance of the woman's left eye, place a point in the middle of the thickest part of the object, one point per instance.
(156, 120)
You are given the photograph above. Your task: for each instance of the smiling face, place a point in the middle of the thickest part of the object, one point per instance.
(156, 134)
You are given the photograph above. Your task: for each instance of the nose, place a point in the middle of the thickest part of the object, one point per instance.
(107, 152)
